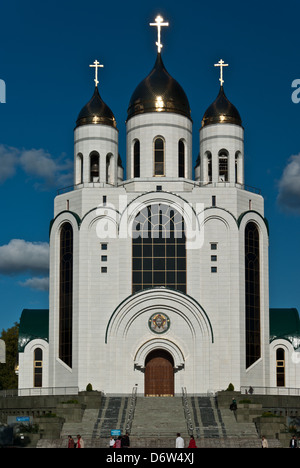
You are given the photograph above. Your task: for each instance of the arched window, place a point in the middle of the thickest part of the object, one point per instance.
(94, 167)
(158, 249)
(109, 168)
(223, 166)
(209, 166)
(252, 293)
(79, 168)
(38, 368)
(159, 157)
(136, 159)
(66, 294)
(280, 367)
(236, 161)
(181, 159)
(238, 168)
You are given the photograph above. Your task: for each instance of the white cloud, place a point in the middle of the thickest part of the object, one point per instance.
(8, 162)
(41, 284)
(38, 164)
(19, 256)
(289, 186)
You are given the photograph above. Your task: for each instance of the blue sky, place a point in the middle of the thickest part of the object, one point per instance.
(45, 52)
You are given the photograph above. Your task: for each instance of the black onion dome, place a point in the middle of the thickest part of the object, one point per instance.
(221, 111)
(159, 92)
(96, 112)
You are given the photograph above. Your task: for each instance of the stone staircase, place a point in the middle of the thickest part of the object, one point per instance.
(211, 422)
(158, 417)
(156, 422)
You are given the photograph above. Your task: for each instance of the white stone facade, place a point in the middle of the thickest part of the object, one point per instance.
(111, 337)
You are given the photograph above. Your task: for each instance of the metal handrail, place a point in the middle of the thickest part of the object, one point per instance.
(255, 390)
(39, 391)
(187, 412)
(131, 409)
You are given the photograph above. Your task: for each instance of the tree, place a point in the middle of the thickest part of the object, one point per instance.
(8, 377)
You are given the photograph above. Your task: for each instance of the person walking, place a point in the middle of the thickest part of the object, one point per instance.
(71, 443)
(179, 441)
(192, 443)
(293, 442)
(111, 442)
(264, 442)
(79, 443)
(125, 441)
(118, 442)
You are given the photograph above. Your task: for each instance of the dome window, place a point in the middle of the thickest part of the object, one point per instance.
(181, 159)
(223, 166)
(159, 157)
(136, 159)
(94, 176)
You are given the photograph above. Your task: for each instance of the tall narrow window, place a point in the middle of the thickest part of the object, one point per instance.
(223, 166)
(79, 173)
(280, 367)
(109, 168)
(107, 175)
(236, 167)
(252, 294)
(38, 368)
(94, 162)
(136, 159)
(209, 167)
(159, 157)
(158, 249)
(66, 294)
(181, 158)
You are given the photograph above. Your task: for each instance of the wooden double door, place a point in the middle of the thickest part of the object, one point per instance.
(159, 374)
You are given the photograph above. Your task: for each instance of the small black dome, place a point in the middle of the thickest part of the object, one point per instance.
(159, 92)
(96, 112)
(221, 111)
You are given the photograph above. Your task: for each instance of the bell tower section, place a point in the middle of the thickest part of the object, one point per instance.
(221, 159)
(96, 143)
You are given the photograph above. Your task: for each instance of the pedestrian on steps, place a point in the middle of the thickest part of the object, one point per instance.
(111, 442)
(71, 443)
(79, 443)
(125, 441)
(179, 441)
(264, 442)
(118, 442)
(192, 443)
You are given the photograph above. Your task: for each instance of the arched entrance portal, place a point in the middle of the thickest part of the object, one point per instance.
(159, 374)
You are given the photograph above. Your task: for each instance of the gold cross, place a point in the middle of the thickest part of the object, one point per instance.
(159, 23)
(221, 64)
(96, 65)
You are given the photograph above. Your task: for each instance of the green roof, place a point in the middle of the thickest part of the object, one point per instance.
(285, 324)
(34, 323)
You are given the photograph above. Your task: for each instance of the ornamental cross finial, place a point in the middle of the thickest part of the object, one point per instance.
(159, 22)
(221, 64)
(96, 65)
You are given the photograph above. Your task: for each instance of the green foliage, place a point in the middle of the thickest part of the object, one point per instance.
(28, 428)
(230, 388)
(89, 388)
(268, 414)
(8, 377)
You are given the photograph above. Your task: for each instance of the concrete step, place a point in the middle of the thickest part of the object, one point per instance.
(112, 414)
(158, 417)
(211, 422)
